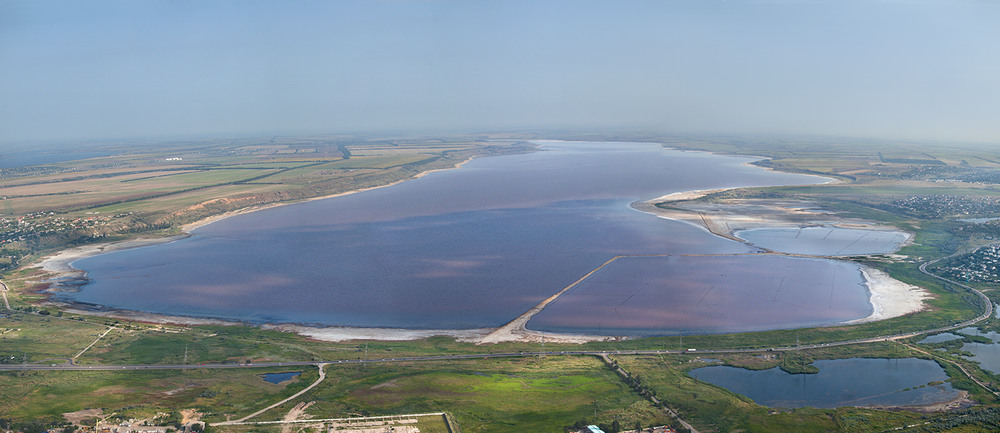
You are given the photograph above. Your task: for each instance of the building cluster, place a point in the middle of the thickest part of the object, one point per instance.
(31, 170)
(935, 173)
(981, 266)
(944, 206)
(42, 223)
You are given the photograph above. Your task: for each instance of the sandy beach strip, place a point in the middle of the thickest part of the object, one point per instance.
(890, 297)
(347, 333)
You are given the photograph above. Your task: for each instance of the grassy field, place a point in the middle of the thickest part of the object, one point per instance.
(139, 394)
(537, 394)
(522, 394)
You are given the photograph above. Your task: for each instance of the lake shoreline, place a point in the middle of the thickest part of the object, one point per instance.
(60, 265)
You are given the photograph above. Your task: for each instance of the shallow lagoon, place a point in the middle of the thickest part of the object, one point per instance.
(825, 240)
(465, 248)
(840, 382)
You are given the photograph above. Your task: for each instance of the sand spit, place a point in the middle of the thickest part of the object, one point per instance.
(890, 297)
(686, 195)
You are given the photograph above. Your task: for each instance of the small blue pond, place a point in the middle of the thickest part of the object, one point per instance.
(280, 377)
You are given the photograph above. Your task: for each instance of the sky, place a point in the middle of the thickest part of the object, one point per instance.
(96, 69)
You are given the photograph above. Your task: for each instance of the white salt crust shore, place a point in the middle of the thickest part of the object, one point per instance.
(889, 297)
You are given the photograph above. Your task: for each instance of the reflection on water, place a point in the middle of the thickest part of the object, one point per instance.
(825, 241)
(840, 382)
(464, 248)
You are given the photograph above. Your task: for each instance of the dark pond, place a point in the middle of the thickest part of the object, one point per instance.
(280, 377)
(840, 382)
(465, 248)
(825, 241)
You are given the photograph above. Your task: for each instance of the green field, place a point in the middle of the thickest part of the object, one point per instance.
(521, 394)
(47, 395)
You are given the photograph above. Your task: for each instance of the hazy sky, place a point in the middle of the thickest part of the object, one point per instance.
(107, 69)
